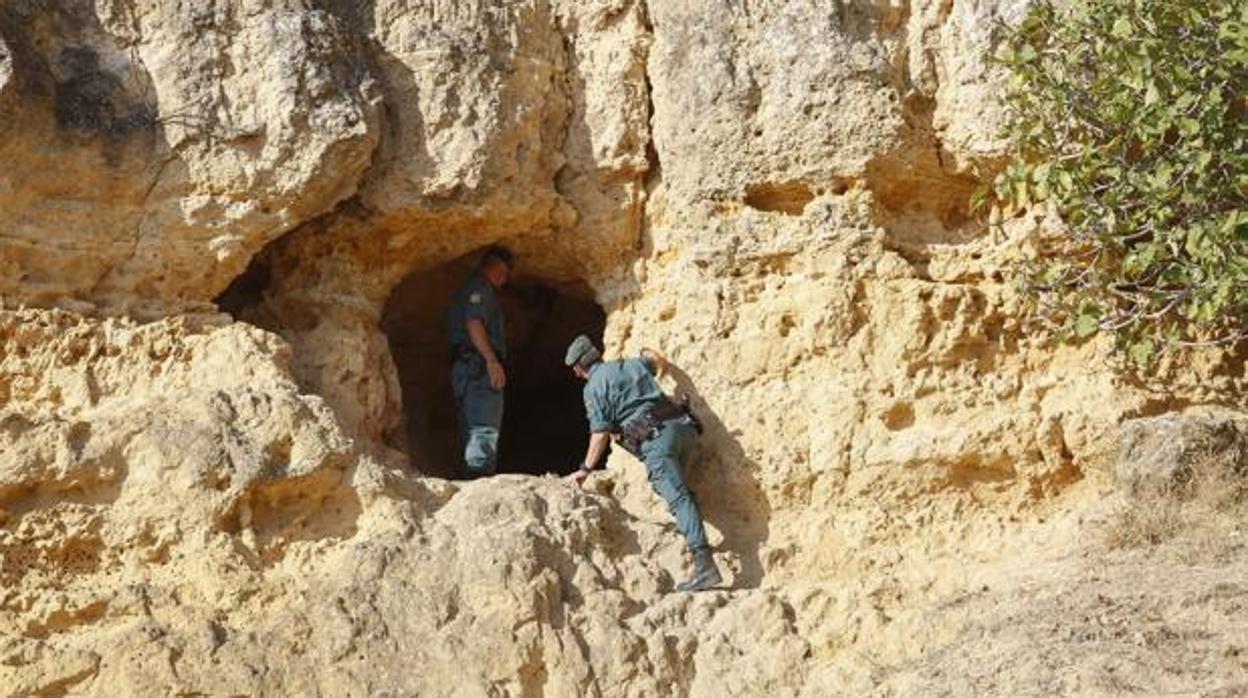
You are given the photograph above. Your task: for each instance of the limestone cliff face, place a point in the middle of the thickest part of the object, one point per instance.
(775, 193)
(153, 149)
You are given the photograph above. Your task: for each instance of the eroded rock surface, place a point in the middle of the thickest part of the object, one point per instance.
(152, 149)
(1166, 452)
(775, 193)
(178, 517)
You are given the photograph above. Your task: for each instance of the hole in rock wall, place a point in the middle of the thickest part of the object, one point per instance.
(789, 198)
(544, 427)
(246, 289)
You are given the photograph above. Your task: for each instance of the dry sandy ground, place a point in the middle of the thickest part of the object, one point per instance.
(1163, 619)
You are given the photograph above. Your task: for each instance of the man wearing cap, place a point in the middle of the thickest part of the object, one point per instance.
(478, 349)
(623, 399)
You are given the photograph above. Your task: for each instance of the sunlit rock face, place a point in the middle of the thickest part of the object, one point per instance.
(227, 230)
(152, 149)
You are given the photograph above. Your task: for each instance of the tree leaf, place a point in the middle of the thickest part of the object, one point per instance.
(1152, 95)
(1128, 115)
(1141, 351)
(1087, 324)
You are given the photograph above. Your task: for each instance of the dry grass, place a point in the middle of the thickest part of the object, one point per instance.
(1202, 505)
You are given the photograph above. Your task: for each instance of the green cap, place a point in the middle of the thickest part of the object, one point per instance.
(579, 350)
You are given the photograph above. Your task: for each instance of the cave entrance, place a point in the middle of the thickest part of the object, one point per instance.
(544, 427)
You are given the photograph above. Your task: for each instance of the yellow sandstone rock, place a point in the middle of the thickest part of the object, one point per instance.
(904, 484)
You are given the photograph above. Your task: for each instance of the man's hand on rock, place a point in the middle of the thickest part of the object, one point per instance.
(578, 478)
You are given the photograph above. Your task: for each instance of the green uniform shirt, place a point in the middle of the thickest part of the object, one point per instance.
(617, 391)
(475, 298)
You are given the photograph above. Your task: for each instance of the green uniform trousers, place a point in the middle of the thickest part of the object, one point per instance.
(480, 411)
(663, 456)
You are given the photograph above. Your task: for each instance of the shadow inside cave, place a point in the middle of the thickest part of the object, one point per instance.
(544, 428)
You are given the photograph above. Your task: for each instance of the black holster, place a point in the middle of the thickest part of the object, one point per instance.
(469, 354)
(646, 425)
(463, 352)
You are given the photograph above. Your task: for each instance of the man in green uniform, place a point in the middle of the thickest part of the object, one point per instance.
(623, 399)
(478, 349)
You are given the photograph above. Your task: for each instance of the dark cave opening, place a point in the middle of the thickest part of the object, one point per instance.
(544, 428)
(246, 290)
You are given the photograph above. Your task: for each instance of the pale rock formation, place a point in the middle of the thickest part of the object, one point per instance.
(178, 517)
(155, 149)
(773, 192)
(544, 147)
(1168, 451)
(6, 70)
(949, 44)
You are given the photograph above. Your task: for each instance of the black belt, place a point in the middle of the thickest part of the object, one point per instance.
(467, 352)
(647, 425)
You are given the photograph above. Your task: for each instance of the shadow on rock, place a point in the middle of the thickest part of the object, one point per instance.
(725, 482)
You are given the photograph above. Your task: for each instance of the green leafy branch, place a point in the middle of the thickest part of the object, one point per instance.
(1131, 117)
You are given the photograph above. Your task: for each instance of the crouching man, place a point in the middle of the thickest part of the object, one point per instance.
(623, 398)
